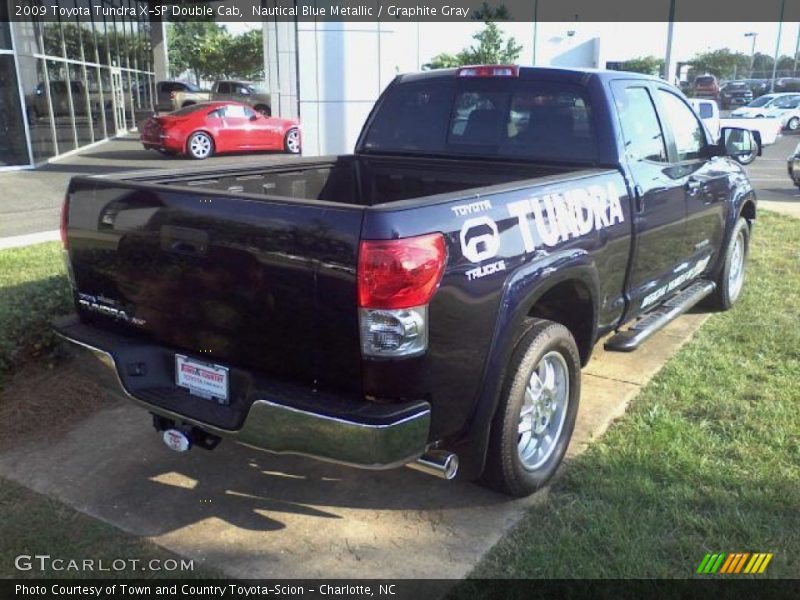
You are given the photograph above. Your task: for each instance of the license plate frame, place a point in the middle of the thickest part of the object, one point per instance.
(203, 379)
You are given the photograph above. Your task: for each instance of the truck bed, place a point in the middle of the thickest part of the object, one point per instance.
(359, 180)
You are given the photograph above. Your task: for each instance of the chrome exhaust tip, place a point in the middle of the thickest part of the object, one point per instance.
(437, 462)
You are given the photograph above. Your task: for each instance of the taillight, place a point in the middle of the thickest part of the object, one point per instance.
(65, 222)
(489, 71)
(396, 281)
(399, 273)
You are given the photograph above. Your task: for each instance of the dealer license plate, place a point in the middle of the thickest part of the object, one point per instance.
(202, 379)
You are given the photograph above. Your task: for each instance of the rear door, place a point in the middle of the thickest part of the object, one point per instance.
(660, 208)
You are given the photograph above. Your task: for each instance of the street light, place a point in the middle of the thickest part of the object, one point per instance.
(753, 35)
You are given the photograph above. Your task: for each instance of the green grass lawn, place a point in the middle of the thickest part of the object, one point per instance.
(33, 289)
(706, 460)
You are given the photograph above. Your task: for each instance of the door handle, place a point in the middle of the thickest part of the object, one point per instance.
(693, 185)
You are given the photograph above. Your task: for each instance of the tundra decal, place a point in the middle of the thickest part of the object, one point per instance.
(556, 217)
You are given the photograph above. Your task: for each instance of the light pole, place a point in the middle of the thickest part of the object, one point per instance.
(754, 35)
(777, 48)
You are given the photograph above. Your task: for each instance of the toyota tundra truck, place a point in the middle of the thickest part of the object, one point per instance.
(428, 300)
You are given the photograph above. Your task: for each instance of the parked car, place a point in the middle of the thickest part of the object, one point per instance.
(765, 131)
(209, 128)
(793, 166)
(166, 91)
(787, 84)
(253, 94)
(735, 93)
(705, 86)
(60, 100)
(429, 300)
(759, 87)
(785, 107)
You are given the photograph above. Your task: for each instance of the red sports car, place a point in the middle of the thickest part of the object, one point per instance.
(202, 130)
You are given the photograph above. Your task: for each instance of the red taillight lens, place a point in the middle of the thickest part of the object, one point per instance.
(65, 222)
(400, 273)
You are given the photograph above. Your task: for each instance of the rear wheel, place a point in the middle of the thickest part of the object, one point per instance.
(291, 142)
(539, 402)
(793, 124)
(200, 145)
(731, 278)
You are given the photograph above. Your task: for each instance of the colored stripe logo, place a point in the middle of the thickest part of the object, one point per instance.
(734, 563)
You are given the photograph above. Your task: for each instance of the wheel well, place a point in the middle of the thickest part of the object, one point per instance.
(188, 137)
(569, 303)
(749, 212)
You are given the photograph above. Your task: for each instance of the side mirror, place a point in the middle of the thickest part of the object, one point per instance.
(738, 143)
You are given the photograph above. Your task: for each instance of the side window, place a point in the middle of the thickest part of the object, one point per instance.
(224, 88)
(686, 129)
(234, 111)
(644, 139)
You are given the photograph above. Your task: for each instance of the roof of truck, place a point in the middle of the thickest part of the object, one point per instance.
(572, 73)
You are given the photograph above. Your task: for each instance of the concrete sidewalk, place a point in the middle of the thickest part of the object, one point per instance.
(252, 514)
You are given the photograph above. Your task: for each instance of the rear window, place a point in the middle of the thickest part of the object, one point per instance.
(705, 110)
(704, 81)
(187, 110)
(501, 117)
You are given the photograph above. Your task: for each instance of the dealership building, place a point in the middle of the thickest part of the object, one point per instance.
(65, 85)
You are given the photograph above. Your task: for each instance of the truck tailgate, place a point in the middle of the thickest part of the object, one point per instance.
(263, 284)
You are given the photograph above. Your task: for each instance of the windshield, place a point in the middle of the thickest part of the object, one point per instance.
(736, 86)
(762, 101)
(704, 81)
(489, 117)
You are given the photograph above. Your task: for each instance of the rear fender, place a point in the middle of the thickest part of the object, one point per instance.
(521, 291)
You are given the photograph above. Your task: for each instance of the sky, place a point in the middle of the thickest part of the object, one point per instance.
(618, 41)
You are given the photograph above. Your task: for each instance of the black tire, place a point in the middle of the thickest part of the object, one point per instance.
(197, 141)
(264, 110)
(727, 292)
(504, 470)
(291, 141)
(166, 152)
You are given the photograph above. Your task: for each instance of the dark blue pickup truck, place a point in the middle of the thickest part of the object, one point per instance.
(428, 300)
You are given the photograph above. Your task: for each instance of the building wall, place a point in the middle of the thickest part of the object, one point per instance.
(77, 82)
(342, 68)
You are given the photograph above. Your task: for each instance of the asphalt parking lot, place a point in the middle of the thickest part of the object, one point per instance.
(768, 175)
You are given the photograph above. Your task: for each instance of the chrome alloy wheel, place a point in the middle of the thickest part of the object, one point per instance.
(543, 411)
(293, 141)
(200, 145)
(736, 271)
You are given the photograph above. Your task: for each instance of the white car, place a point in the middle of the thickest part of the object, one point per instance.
(785, 107)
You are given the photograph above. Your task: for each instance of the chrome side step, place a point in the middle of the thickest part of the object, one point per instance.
(630, 339)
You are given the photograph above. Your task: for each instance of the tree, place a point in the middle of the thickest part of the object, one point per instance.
(649, 65)
(492, 49)
(723, 63)
(209, 51)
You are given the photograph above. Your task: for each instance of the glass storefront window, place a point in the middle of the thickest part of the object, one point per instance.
(13, 145)
(51, 33)
(101, 34)
(108, 102)
(96, 102)
(87, 33)
(80, 104)
(37, 107)
(60, 99)
(5, 29)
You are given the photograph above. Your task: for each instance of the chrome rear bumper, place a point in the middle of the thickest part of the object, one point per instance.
(374, 443)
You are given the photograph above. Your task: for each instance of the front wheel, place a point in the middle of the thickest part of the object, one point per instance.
(200, 145)
(793, 124)
(539, 402)
(291, 142)
(731, 278)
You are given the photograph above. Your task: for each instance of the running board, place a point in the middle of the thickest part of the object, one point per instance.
(630, 339)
